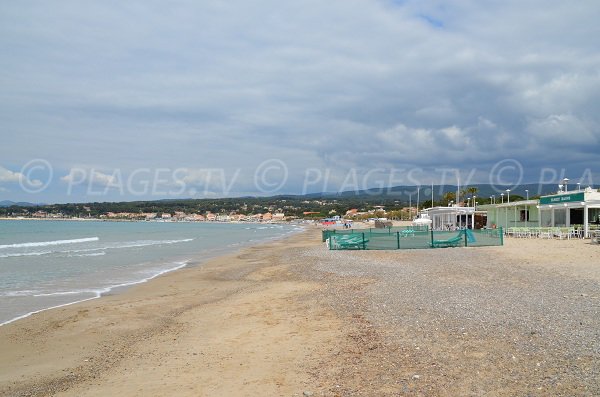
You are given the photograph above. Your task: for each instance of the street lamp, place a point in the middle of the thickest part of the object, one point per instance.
(491, 200)
(578, 186)
(527, 192)
(508, 193)
(566, 181)
(502, 194)
(475, 203)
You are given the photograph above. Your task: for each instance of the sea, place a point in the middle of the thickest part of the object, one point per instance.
(49, 264)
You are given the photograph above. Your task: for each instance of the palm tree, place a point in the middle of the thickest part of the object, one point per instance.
(449, 196)
(472, 190)
(463, 195)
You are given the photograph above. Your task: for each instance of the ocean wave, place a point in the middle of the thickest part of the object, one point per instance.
(132, 244)
(91, 254)
(107, 246)
(97, 292)
(26, 292)
(64, 293)
(46, 243)
(145, 243)
(25, 254)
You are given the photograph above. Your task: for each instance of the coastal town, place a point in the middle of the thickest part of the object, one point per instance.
(176, 216)
(225, 210)
(180, 216)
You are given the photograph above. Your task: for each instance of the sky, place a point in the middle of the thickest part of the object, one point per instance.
(112, 100)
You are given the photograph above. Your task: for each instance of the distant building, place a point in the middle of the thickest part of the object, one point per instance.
(195, 218)
(180, 215)
(222, 218)
(40, 214)
(235, 217)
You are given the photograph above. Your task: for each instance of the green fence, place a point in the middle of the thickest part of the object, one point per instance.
(375, 231)
(410, 238)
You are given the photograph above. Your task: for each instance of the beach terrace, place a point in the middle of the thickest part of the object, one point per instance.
(563, 215)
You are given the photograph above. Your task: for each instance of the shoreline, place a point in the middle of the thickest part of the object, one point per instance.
(110, 290)
(89, 338)
(288, 317)
(119, 288)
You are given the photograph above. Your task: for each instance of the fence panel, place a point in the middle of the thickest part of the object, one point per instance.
(486, 237)
(410, 238)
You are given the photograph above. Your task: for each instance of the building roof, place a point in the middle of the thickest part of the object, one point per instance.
(511, 204)
(449, 210)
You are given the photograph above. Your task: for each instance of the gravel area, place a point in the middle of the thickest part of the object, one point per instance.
(462, 321)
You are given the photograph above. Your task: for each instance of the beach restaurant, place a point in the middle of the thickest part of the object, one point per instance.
(524, 213)
(450, 218)
(580, 209)
(567, 209)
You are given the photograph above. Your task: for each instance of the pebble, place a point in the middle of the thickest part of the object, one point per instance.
(471, 295)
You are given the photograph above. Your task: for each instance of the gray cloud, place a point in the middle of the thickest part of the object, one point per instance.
(339, 85)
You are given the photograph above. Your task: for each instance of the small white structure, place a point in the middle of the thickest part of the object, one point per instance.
(422, 220)
(450, 218)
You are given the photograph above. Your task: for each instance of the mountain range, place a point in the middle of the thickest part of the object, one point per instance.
(403, 193)
(410, 192)
(8, 203)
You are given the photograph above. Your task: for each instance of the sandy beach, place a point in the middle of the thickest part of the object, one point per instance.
(289, 318)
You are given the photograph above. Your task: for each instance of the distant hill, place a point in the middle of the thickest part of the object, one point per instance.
(396, 195)
(406, 192)
(8, 203)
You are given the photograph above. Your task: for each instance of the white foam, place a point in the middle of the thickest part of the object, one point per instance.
(26, 292)
(91, 254)
(25, 254)
(130, 244)
(46, 243)
(64, 293)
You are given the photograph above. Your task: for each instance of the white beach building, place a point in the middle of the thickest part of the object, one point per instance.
(580, 207)
(450, 218)
(523, 213)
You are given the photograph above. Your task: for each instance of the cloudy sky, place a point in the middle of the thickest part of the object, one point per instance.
(134, 100)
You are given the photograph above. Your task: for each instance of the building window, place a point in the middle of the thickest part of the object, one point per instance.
(524, 215)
